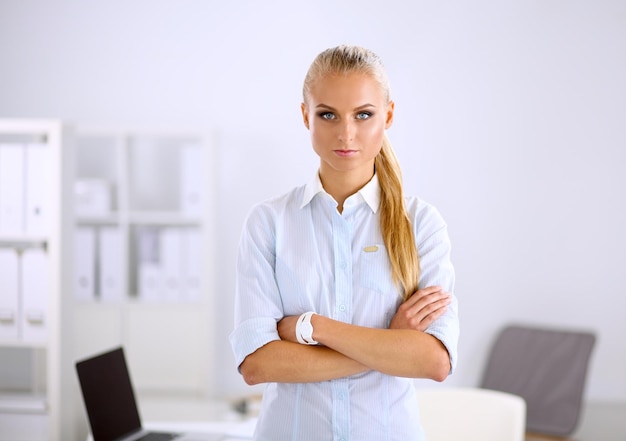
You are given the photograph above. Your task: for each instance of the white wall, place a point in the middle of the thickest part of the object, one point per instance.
(510, 118)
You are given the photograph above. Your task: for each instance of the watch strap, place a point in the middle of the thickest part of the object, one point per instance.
(304, 329)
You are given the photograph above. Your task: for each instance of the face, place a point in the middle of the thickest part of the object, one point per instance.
(347, 116)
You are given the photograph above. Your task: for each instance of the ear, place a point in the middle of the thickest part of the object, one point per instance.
(305, 114)
(389, 119)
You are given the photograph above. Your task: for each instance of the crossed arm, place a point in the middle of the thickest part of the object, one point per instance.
(402, 350)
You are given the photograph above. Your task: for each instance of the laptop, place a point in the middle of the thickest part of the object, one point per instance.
(111, 406)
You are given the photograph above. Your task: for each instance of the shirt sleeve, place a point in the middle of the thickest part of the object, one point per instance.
(436, 269)
(258, 306)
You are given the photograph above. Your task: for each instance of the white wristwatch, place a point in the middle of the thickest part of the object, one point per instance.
(304, 329)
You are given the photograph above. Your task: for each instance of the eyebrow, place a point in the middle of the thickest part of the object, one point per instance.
(361, 107)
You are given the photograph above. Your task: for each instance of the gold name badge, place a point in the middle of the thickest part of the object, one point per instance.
(371, 249)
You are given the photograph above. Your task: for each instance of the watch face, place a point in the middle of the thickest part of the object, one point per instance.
(307, 329)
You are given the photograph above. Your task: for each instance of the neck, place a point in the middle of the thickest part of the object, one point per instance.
(342, 185)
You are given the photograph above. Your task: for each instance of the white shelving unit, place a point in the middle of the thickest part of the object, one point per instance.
(167, 337)
(35, 362)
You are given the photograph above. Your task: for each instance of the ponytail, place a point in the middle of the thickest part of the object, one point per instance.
(395, 224)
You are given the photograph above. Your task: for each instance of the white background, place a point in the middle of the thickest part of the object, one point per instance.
(510, 118)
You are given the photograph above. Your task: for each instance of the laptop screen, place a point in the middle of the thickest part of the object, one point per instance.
(108, 395)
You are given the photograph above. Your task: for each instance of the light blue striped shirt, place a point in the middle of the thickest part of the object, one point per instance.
(298, 253)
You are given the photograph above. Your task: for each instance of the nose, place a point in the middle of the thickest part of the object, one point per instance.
(346, 131)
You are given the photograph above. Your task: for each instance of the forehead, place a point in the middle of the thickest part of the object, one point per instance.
(353, 89)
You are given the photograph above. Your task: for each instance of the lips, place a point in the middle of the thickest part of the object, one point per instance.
(345, 153)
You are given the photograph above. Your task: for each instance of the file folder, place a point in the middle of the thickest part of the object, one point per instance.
(170, 259)
(35, 283)
(150, 282)
(85, 264)
(11, 189)
(9, 294)
(149, 273)
(110, 284)
(192, 262)
(37, 188)
(192, 180)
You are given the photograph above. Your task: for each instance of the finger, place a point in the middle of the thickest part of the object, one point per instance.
(432, 308)
(431, 318)
(426, 301)
(421, 293)
(424, 320)
(427, 291)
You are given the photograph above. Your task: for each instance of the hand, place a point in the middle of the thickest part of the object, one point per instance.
(287, 328)
(421, 309)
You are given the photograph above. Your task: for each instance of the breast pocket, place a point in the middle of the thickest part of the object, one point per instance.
(374, 269)
(377, 296)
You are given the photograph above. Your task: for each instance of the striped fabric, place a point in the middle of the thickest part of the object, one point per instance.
(298, 253)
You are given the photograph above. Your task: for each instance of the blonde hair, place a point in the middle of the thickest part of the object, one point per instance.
(395, 224)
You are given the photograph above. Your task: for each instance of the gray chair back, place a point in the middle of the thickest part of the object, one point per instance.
(548, 368)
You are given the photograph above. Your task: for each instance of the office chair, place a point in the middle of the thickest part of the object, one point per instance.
(546, 367)
(471, 414)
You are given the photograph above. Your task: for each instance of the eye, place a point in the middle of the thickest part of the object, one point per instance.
(363, 115)
(327, 115)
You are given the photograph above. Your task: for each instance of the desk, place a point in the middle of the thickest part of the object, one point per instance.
(599, 421)
(233, 431)
(193, 415)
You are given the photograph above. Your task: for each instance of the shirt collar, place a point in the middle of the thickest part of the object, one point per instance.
(369, 193)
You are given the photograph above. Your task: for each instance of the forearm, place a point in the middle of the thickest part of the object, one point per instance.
(398, 352)
(288, 362)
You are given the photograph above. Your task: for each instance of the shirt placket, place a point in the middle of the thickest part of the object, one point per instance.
(342, 249)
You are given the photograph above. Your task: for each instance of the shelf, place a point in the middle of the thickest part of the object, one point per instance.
(99, 219)
(134, 301)
(21, 242)
(156, 182)
(152, 236)
(158, 218)
(13, 343)
(32, 128)
(37, 320)
(22, 403)
(164, 218)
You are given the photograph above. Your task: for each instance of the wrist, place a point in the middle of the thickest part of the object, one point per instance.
(304, 329)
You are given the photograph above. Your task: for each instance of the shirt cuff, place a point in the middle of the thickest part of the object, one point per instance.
(446, 330)
(251, 335)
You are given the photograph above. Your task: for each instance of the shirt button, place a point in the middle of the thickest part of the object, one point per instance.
(342, 308)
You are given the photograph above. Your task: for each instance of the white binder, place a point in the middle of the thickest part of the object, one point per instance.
(150, 282)
(192, 185)
(11, 189)
(9, 293)
(35, 283)
(85, 264)
(37, 189)
(110, 284)
(170, 259)
(191, 265)
(149, 272)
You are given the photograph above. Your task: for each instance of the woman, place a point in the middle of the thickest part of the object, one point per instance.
(343, 285)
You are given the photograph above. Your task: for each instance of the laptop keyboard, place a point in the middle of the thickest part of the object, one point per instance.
(158, 436)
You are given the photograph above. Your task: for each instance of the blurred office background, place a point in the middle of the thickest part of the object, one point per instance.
(510, 118)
